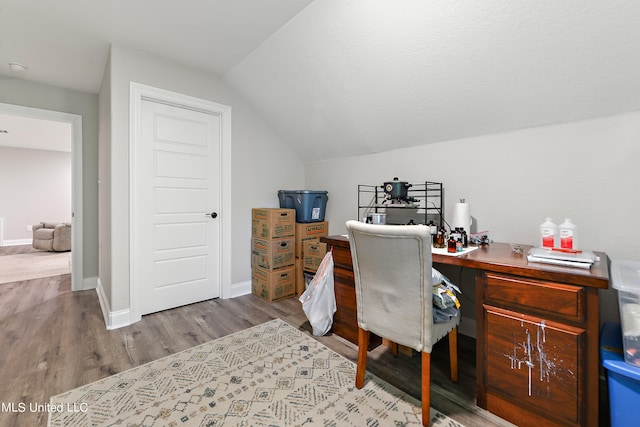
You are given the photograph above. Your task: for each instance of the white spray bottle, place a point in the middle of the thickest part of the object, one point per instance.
(548, 232)
(568, 235)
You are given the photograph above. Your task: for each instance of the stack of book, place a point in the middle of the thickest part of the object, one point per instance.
(564, 257)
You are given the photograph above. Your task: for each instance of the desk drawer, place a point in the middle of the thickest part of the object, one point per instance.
(559, 300)
(533, 363)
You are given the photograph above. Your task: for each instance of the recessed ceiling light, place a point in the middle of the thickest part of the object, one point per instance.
(16, 66)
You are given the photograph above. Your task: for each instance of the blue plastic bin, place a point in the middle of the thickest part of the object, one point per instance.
(310, 205)
(623, 379)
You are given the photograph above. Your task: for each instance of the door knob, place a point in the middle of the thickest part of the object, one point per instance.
(212, 214)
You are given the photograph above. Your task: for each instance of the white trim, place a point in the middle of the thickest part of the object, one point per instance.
(119, 319)
(138, 92)
(77, 214)
(16, 242)
(76, 181)
(112, 319)
(239, 289)
(1, 232)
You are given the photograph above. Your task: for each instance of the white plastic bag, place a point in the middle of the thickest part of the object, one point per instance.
(319, 300)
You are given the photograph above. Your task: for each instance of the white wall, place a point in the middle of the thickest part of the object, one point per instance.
(35, 186)
(587, 171)
(261, 163)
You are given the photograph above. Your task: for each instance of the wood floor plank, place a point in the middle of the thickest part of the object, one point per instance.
(57, 341)
(53, 340)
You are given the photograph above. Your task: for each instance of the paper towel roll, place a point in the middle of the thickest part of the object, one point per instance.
(461, 216)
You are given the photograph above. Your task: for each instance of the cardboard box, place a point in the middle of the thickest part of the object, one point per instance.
(314, 253)
(303, 278)
(272, 254)
(273, 285)
(312, 230)
(301, 244)
(273, 223)
(401, 348)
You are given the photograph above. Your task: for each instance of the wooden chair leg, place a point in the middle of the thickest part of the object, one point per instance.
(426, 388)
(394, 349)
(453, 354)
(363, 345)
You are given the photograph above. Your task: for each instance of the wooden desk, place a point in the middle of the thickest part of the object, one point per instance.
(537, 331)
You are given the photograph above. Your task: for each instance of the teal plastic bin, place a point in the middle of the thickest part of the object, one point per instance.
(310, 205)
(623, 379)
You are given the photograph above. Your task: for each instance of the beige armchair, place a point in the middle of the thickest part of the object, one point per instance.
(392, 270)
(49, 236)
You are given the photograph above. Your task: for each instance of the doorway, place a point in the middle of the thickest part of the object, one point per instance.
(179, 200)
(75, 121)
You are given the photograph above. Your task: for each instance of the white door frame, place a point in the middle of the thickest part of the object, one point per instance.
(138, 92)
(75, 120)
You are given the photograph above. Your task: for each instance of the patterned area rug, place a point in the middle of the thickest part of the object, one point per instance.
(268, 375)
(33, 265)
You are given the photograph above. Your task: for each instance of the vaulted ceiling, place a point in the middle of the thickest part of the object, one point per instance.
(346, 77)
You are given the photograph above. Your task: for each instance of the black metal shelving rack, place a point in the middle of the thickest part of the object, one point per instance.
(427, 204)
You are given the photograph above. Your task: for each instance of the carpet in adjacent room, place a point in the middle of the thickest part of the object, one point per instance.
(34, 265)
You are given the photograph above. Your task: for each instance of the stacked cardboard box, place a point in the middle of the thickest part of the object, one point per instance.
(314, 253)
(273, 253)
(308, 240)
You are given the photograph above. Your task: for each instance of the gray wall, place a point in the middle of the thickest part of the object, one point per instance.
(104, 183)
(261, 163)
(587, 171)
(583, 170)
(35, 95)
(35, 185)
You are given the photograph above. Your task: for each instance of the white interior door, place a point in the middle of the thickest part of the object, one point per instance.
(177, 196)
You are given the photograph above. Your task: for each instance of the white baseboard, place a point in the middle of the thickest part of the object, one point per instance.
(239, 289)
(112, 319)
(121, 318)
(17, 242)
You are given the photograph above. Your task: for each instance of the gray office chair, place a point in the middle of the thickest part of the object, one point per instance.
(392, 272)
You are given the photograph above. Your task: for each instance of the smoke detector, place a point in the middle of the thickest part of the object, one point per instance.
(17, 67)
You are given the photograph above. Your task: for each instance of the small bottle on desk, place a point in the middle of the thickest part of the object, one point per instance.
(440, 243)
(465, 239)
(451, 245)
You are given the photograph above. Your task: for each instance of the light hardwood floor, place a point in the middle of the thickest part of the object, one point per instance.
(53, 340)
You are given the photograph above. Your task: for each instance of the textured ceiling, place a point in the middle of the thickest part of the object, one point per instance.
(352, 77)
(345, 77)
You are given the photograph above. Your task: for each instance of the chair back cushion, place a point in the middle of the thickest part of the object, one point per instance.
(392, 272)
(392, 269)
